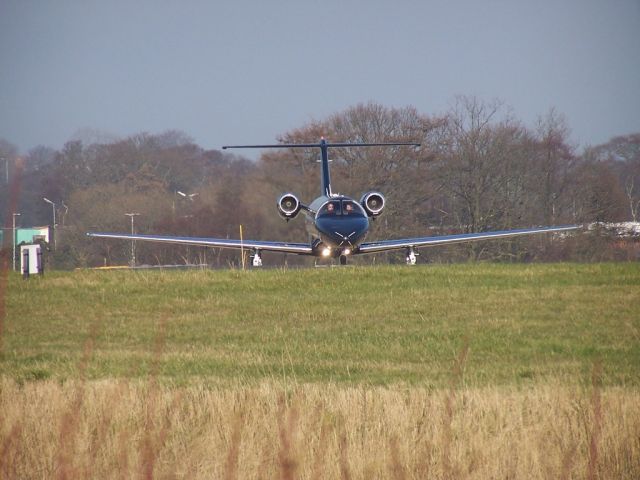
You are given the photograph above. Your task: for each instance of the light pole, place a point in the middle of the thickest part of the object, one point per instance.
(53, 206)
(14, 240)
(133, 242)
(64, 215)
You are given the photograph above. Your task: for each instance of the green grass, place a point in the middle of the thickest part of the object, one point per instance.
(373, 325)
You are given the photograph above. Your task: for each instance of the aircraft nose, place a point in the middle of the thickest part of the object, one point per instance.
(342, 232)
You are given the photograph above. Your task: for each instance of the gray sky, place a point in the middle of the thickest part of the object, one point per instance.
(244, 71)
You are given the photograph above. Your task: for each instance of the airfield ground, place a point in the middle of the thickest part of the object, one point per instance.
(461, 371)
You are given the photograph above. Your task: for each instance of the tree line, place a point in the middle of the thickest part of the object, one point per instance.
(478, 168)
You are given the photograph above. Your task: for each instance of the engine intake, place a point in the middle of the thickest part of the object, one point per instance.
(288, 205)
(373, 203)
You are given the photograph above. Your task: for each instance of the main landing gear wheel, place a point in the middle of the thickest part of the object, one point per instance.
(411, 256)
(343, 259)
(256, 259)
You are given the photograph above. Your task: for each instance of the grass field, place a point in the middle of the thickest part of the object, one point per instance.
(522, 323)
(462, 371)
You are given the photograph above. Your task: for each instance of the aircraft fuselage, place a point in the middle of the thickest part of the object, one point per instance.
(339, 223)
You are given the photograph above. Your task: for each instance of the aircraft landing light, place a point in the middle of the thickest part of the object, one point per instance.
(326, 252)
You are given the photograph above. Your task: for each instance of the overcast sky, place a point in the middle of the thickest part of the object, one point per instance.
(242, 71)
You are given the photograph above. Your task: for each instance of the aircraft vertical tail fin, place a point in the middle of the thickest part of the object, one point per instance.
(325, 182)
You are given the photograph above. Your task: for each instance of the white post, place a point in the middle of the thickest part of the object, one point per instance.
(133, 242)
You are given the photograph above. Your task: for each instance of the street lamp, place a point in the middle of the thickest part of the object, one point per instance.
(53, 206)
(190, 196)
(14, 240)
(133, 243)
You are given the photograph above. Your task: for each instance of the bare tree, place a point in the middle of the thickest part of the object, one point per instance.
(485, 170)
(553, 162)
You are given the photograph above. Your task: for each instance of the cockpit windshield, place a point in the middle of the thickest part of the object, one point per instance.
(334, 208)
(351, 208)
(330, 209)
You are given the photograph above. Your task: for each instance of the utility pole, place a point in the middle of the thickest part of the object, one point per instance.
(133, 242)
(53, 206)
(14, 240)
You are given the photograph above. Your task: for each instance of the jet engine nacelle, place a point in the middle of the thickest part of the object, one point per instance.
(288, 206)
(373, 203)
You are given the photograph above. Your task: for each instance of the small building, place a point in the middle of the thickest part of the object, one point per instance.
(32, 235)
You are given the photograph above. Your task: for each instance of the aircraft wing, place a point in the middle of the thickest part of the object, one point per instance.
(284, 247)
(383, 245)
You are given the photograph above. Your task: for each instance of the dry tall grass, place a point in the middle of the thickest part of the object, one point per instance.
(123, 429)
